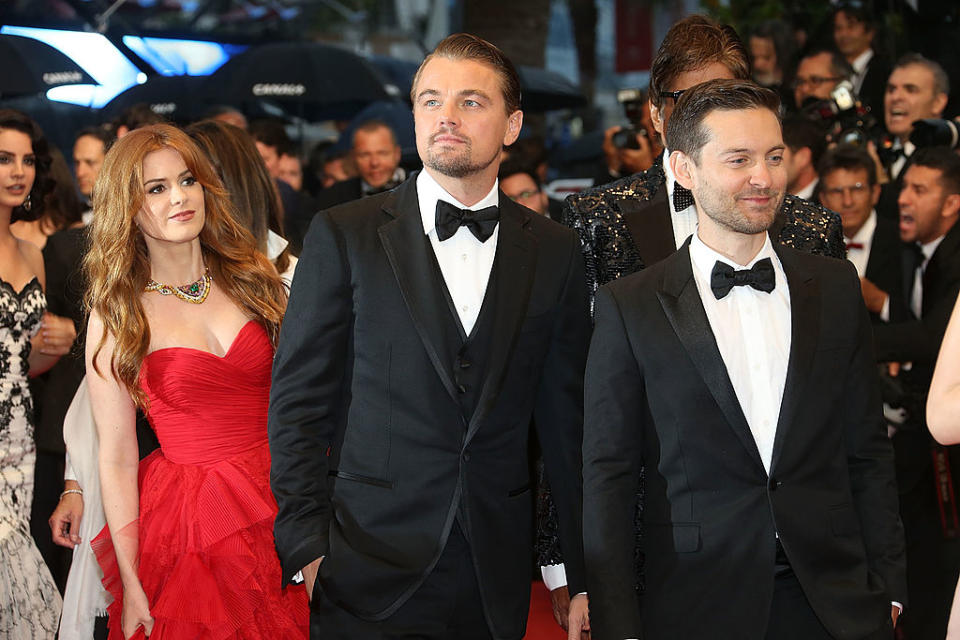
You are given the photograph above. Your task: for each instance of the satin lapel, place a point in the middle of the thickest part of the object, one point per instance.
(681, 303)
(804, 336)
(650, 226)
(515, 264)
(406, 247)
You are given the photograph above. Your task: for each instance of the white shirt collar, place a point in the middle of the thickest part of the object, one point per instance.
(429, 191)
(930, 248)
(703, 257)
(865, 235)
(861, 61)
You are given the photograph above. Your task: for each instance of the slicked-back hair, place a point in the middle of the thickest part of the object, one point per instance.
(465, 46)
(944, 160)
(849, 158)
(941, 81)
(691, 44)
(688, 134)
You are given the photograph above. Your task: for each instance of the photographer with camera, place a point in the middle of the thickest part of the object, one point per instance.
(854, 34)
(629, 149)
(818, 73)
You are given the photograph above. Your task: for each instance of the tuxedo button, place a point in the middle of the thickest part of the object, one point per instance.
(773, 484)
(461, 388)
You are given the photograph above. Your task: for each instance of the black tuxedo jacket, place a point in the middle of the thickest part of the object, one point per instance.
(658, 396)
(885, 267)
(372, 455)
(340, 193)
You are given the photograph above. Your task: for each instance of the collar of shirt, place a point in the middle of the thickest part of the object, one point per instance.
(865, 235)
(807, 192)
(929, 249)
(703, 258)
(861, 61)
(429, 191)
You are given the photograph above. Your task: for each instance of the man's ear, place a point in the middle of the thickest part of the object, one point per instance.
(683, 169)
(951, 205)
(804, 156)
(657, 118)
(514, 124)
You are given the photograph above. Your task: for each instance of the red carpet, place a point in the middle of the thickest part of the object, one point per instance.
(541, 625)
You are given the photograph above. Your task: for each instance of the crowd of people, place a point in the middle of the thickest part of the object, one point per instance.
(245, 394)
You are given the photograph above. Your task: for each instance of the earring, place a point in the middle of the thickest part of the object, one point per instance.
(26, 203)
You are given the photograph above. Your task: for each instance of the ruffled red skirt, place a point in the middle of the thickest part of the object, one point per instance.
(206, 554)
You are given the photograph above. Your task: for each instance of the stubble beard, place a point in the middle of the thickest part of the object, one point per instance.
(727, 210)
(456, 164)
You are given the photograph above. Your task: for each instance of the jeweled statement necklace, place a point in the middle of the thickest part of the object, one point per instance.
(195, 292)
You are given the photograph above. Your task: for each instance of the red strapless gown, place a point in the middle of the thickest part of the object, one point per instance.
(206, 551)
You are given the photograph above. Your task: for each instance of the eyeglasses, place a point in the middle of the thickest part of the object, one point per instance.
(523, 195)
(813, 81)
(855, 189)
(673, 94)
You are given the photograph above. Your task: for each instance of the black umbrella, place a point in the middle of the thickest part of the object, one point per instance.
(541, 90)
(310, 80)
(31, 66)
(177, 98)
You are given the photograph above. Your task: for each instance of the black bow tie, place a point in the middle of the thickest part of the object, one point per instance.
(723, 278)
(481, 222)
(682, 198)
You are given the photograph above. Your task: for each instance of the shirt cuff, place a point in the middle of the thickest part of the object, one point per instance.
(69, 473)
(897, 605)
(885, 310)
(554, 576)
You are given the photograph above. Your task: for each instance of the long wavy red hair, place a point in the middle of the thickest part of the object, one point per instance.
(117, 265)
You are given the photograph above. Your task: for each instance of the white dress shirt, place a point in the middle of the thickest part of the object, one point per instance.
(860, 256)
(684, 222)
(807, 192)
(464, 261)
(860, 69)
(753, 333)
(897, 166)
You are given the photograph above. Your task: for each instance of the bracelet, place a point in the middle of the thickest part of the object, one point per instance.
(66, 491)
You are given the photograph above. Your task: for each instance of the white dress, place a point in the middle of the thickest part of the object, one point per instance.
(29, 600)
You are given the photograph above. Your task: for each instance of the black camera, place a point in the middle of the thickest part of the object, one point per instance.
(843, 116)
(933, 132)
(633, 101)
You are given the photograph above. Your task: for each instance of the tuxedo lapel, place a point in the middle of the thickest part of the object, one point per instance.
(681, 303)
(514, 264)
(650, 225)
(407, 250)
(804, 336)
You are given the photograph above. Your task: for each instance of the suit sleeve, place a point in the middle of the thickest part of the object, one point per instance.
(919, 340)
(614, 409)
(305, 398)
(870, 459)
(558, 414)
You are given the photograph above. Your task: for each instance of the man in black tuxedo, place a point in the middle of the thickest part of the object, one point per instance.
(740, 374)
(849, 186)
(929, 209)
(636, 221)
(426, 326)
(376, 154)
(855, 36)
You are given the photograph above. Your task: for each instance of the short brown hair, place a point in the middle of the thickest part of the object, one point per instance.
(692, 44)
(848, 158)
(686, 132)
(464, 46)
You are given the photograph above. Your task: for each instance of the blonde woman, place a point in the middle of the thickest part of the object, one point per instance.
(184, 316)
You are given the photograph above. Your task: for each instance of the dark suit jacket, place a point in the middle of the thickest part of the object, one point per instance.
(657, 395)
(885, 267)
(625, 226)
(339, 193)
(359, 370)
(875, 85)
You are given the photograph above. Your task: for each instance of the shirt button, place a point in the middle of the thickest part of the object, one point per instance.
(464, 308)
(464, 257)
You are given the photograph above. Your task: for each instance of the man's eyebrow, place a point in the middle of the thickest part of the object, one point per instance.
(428, 92)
